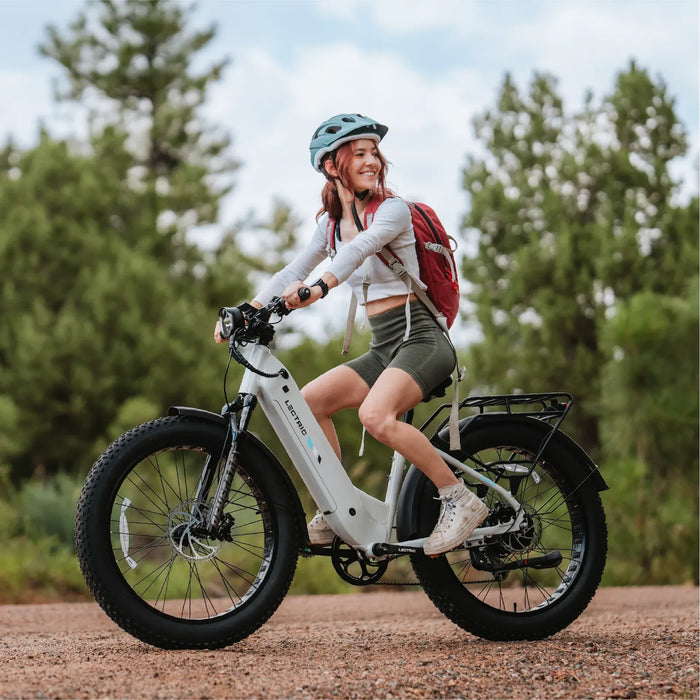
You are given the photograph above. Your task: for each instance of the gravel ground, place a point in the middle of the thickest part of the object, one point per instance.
(629, 643)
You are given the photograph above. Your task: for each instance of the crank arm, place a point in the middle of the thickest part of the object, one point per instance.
(317, 550)
(382, 549)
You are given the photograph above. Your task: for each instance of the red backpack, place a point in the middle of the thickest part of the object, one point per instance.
(435, 252)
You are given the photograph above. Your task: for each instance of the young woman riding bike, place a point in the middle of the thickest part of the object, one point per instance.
(409, 354)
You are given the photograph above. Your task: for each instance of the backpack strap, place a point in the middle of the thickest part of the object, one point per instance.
(386, 255)
(349, 324)
(388, 258)
(371, 208)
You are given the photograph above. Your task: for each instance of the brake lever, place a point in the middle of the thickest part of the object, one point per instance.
(277, 304)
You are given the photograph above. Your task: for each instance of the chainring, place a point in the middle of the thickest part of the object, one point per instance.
(354, 567)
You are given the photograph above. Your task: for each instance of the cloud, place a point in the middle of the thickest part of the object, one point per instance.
(583, 43)
(273, 108)
(404, 16)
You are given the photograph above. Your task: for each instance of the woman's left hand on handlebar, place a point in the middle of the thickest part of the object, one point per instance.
(217, 333)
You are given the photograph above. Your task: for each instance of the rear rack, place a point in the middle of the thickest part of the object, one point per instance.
(552, 404)
(553, 408)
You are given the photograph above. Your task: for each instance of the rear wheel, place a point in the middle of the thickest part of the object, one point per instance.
(495, 591)
(145, 553)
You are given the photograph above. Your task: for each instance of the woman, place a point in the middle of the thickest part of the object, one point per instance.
(409, 355)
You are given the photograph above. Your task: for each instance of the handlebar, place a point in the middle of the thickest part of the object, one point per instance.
(244, 323)
(255, 322)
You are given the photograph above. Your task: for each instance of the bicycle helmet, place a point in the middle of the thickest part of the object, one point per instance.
(340, 129)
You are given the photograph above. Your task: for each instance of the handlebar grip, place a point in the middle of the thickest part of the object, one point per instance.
(304, 293)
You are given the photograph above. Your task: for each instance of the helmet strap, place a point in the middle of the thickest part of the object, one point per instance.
(356, 216)
(361, 195)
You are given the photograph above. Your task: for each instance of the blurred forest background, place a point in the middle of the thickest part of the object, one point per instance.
(584, 278)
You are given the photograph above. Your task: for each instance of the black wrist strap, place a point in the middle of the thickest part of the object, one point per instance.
(324, 287)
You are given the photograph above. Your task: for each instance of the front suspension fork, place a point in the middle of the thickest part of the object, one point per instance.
(239, 414)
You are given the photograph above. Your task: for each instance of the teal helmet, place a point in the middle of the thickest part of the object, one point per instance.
(340, 129)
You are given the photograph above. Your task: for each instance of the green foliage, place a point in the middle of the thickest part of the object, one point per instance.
(132, 61)
(39, 570)
(653, 526)
(87, 322)
(651, 379)
(107, 311)
(650, 435)
(47, 507)
(37, 561)
(571, 214)
(585, 279)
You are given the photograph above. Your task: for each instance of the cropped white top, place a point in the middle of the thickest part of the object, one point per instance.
(355, 261)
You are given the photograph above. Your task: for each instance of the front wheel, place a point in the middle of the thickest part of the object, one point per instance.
(144, 550)
(527, 584)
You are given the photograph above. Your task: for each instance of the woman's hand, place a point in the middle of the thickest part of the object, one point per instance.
(345, 195)
(217, 333)
(291, 295)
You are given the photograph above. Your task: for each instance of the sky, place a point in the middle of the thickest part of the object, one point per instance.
(425, 68)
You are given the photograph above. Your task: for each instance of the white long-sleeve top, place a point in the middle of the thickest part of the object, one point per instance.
(355, 260)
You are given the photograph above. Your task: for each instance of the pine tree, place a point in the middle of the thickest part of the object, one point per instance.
(571, 215)
(131, 61)
(91, 333)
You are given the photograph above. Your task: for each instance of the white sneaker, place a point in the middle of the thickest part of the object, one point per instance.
(319, 530)
(462, 511)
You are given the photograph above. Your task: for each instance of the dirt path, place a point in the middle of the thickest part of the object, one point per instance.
(630, 643)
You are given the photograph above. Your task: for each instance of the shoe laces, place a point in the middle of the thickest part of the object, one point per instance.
(449, 506)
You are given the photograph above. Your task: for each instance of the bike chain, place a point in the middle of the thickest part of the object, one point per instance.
(417, 583)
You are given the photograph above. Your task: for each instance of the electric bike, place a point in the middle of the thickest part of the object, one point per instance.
(188, 529)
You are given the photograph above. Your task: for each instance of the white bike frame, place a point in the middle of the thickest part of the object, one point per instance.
(359, 519)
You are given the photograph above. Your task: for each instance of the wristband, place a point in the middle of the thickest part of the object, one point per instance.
(324, 287)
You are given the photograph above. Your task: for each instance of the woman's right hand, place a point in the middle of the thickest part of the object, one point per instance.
(291, 295)
(345, 195)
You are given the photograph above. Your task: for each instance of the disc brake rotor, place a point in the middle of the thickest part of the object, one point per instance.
(183, 522)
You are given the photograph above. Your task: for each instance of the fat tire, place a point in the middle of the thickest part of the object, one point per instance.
(459, 604)
(97, 557)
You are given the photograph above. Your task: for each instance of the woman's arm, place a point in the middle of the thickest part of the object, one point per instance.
(392, 218)
(297, 270)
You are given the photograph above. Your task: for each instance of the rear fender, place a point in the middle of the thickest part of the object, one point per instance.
(412, 488)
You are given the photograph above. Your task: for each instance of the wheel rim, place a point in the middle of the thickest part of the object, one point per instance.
(553, 522)
(161, 551)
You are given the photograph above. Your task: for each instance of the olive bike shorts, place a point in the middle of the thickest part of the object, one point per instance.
(427, 354)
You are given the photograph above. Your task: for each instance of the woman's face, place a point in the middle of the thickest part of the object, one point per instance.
(364, 166)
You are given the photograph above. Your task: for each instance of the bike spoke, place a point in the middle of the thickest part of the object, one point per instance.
(547, 508)
(156, 528)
